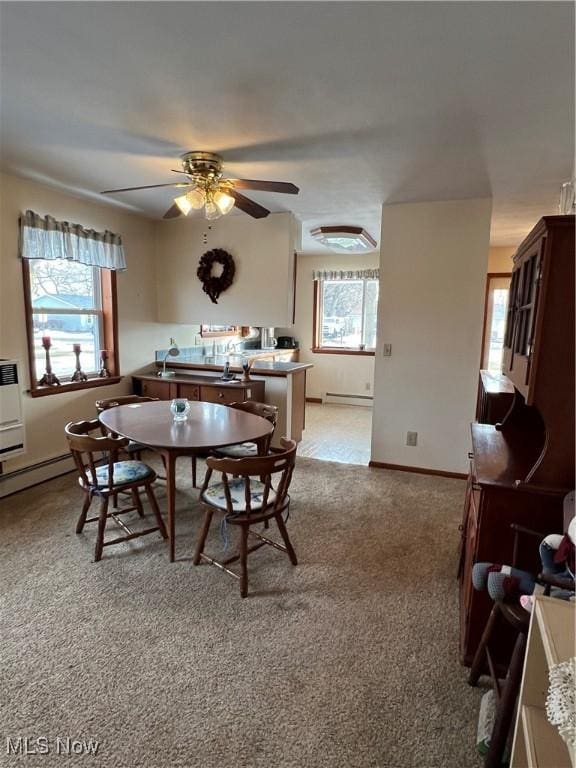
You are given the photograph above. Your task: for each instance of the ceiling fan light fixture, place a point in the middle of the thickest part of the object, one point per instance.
(223, 201)
(344, 239)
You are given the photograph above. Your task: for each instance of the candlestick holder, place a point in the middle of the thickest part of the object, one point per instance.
(104, 373)
(49, 379)
(78, 374)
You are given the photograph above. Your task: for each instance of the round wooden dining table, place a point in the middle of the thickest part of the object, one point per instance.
(208, 426)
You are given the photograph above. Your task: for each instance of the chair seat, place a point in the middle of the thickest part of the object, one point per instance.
(124, 472)
(239, 451)
(216, 497)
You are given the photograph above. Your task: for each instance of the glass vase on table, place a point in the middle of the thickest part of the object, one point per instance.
(180, 408)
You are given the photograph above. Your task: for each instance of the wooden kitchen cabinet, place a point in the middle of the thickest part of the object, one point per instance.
(204, 388)
(161, 388)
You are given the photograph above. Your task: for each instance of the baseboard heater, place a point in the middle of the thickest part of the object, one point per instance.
(19, 479)
(343, 399)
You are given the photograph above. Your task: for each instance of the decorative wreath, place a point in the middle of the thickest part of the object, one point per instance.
(211, 284)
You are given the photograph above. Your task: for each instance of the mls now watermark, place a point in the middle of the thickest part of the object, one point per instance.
(43, 745)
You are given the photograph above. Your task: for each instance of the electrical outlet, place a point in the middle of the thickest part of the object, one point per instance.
(387, 350)
(412, 438)
(368, 386)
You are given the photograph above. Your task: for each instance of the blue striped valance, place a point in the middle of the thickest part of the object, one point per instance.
(46, 238)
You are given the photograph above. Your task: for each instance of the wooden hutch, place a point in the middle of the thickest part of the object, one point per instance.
(521, 468)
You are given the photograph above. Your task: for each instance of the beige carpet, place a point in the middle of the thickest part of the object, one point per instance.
(347, 661)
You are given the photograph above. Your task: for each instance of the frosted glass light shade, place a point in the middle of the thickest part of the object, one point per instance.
(196, 197)
(211, 210)
(224, 202)
(183, 203)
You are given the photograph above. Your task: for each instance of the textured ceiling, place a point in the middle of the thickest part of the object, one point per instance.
(359, 104)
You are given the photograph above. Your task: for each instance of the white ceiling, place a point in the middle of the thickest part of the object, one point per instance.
(358, 104)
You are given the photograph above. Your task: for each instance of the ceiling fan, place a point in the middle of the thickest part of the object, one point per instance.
(208, 189)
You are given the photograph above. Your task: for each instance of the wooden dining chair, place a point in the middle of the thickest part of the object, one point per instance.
(133, 448)
(245, 496)
(245, 450)
(108, 480)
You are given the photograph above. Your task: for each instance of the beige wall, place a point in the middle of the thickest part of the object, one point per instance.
(500, 259)
(343, 374)
(263, 252)
(432, 277)
(139, 333)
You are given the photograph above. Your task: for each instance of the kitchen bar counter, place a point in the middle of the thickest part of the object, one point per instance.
(282, 384)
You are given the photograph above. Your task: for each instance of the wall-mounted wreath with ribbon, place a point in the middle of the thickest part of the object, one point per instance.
(213, 284)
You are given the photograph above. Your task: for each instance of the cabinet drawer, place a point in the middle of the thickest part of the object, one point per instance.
(163, 390)
(221, 395)
(189, 391)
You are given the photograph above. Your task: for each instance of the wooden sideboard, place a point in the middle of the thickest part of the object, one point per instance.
(522, 467)
(206, 388)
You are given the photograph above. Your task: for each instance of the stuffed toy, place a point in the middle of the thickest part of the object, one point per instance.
(504, 581)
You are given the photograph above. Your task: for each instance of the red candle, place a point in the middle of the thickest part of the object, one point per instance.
(46, 341)
(103, 354)
(76, 347)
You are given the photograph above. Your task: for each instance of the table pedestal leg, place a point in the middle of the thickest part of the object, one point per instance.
(171, 491)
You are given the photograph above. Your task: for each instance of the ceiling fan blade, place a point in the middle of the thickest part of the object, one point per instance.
(253, 209)
(149, 186)
(173, 212)
(284, 187)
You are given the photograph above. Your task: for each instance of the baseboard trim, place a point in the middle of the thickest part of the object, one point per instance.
(314, 400)
(35, 474)
(417, 470)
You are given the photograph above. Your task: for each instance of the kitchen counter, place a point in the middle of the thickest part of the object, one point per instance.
(260, 367)
(276, 382)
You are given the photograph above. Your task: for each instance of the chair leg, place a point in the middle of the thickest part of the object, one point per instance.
(193, 471)
(203, 535)
(101, 528)
(282, 528)
(479, 656)
(506, 704)
(156, 509)
(83, 514)
(137, 501)
(244, 529)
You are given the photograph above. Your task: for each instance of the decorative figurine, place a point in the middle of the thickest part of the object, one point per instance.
(78, 374)
(246, 368)
(49, 379)
(104, 373)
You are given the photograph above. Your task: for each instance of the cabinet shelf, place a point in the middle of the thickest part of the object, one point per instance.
(537, 743)
(544, 748)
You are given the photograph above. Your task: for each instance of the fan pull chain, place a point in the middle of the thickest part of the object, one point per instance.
(205, 235)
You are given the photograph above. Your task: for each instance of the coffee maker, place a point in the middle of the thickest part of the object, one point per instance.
(267, 338)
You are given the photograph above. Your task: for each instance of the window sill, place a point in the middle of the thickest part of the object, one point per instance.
(342, 351)
(73, 386)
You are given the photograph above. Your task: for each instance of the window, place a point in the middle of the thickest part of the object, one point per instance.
(345, 315)
(72, 304)
(497, 291)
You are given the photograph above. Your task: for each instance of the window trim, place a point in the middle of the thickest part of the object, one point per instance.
(490, 276)
(109, 325)
(325, 350)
